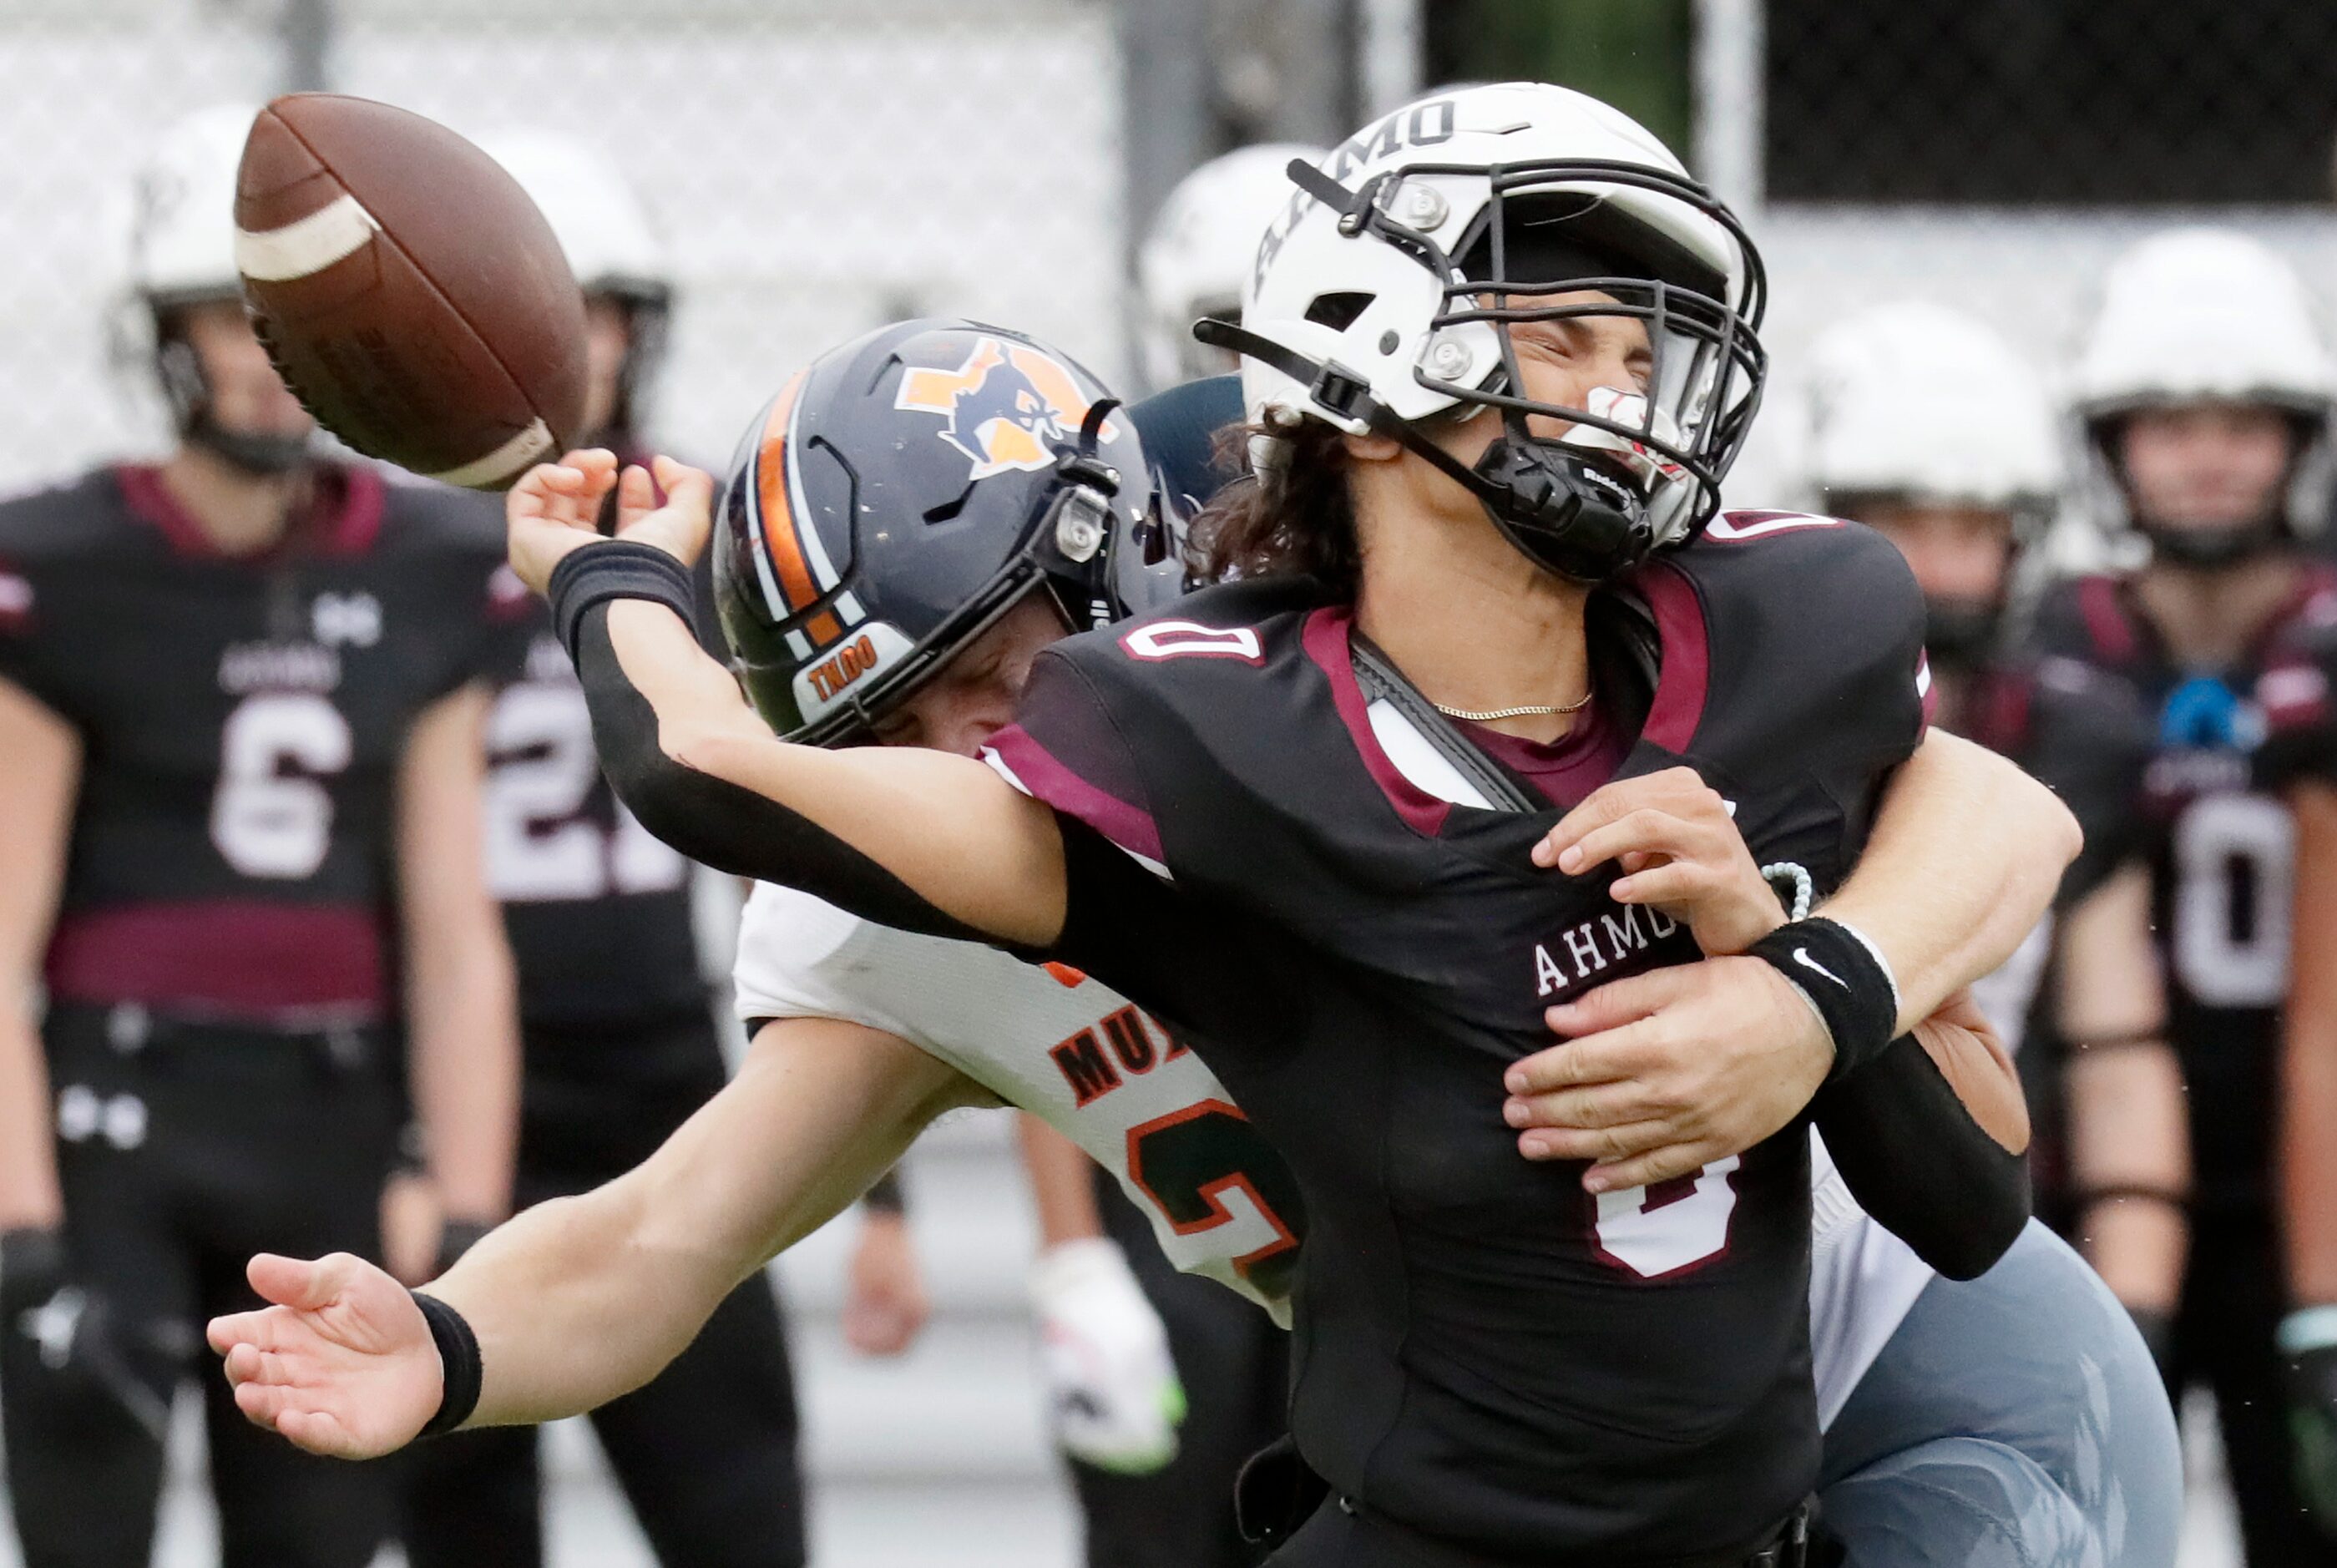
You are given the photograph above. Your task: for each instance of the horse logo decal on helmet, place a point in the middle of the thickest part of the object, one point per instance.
(1008, 406)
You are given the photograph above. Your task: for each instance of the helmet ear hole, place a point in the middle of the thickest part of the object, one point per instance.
(1339, 311)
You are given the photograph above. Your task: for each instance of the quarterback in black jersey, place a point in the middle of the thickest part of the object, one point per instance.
(1927, 426)
(617, 1024)
(2204, 388)
(1479, 1378)
(240, 704)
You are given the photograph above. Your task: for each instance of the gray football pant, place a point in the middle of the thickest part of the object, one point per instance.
(2014, 1419)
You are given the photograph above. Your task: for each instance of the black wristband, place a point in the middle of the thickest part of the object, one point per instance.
(458, 1358)
(615, 569)
(1834, 968)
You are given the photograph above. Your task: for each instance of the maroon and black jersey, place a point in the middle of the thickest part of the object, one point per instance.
(599, 911)
(241, 721)
(2083, 733)
(1485, 1355)
(2221, 848)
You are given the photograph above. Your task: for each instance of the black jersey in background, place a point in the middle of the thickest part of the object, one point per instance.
(221, 976)
(242, 720)
(2221, 850)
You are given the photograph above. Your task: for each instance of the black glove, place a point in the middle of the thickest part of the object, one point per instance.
(72, 1361)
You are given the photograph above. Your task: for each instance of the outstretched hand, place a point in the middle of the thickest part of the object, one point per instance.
(342, 1365)
(555, 508)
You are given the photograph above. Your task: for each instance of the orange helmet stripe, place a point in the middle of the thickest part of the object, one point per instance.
(780, 535)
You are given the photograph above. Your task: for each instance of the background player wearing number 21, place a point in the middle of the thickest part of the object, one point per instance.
(240, 704)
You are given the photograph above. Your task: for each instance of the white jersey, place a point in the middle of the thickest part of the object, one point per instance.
(1107, 1076)
(1050, 1041)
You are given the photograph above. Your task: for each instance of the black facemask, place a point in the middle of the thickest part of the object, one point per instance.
(1561, 509)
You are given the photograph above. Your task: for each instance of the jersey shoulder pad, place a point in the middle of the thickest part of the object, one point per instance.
(84, 519)
(2085, 618)
(1813, 632)
(2088, 737)
(1111, 716)
(2296, 692)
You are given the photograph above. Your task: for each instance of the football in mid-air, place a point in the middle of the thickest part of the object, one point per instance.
(408, 290)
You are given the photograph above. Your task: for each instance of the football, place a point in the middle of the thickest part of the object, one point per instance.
(408, 290)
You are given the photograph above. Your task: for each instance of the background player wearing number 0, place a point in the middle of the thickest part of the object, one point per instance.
(2204, 389)
(241, 705)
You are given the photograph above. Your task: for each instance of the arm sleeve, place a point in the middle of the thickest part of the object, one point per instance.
(1917, 1161)
(732, 830)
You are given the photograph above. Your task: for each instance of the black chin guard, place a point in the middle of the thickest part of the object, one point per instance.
(1561, 509)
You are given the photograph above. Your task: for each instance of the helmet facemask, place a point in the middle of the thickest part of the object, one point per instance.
(1629, 473)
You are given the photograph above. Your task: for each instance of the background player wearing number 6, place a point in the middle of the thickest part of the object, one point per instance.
(239, 761)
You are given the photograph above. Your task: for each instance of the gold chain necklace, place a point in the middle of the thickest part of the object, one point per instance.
(1533, 710)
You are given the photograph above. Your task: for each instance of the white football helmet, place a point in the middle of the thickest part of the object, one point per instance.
(612, 244)
(181, 252)
(183, 224)
(2201, 315)
(1915, 401)
(1384, 294)
(1196, 255)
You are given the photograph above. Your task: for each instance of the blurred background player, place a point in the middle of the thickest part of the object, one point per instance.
(1926, 424)
(2204, 390)
(618, 1027)
(1195, 258)
(240, 703)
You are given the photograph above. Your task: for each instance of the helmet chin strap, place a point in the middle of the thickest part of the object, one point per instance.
(187, 392)
(1561, 509)
(2207, 549)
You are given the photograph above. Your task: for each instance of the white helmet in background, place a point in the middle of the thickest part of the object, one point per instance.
(1365, 310)
(2205, 316)
(1916, 404)
(183, 254)
(2202, 315)
(612, 245)
(1195, 258)
(183, 226)
(1914, 401)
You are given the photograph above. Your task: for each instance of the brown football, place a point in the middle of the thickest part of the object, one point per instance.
(408, 290)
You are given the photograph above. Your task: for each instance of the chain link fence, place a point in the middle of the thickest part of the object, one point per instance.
(817, 168)
(1997, 156)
